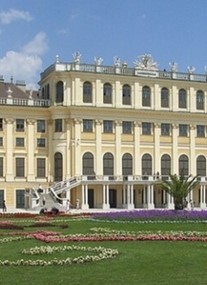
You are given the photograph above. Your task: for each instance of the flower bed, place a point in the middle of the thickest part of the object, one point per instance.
(153, 215)
(101, 253)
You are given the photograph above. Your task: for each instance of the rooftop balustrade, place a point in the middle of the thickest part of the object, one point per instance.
(123, 70)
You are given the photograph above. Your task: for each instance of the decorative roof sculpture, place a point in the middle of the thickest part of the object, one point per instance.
(98, 60)
(117, 61)
(145, 62)
(77, 56)
(191, 69)
(173, 66)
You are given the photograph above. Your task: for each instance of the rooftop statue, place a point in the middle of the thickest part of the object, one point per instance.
(77, 56)
(145, 62)
(98, 60)
(191, 69)
(173, 66)
(117, 61)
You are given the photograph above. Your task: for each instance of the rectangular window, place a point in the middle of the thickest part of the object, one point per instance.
(58, 125)
(126, 127)
(1, 141)
(41, 126)
(88, 126)
(41, 167)
(200, 131)
(165, 129)
(108, 127)
(20, 142)
(20, 199)
(20, 167)
(183, 130)
(1, 166)
(19, 125)
(146, 128)
(1, 124)
(40, 142)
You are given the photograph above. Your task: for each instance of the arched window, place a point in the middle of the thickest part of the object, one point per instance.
(200, 100)
(182, 98)
(108, 164)
(59, 92)
(87, 92)
(126, 95)
(107, 93)
(183, 165)
(146, 164)
(146, 96)
(201, 165)
(88, 164)
(164, 98)
(58, 166)
(127, 164)
(165, 165)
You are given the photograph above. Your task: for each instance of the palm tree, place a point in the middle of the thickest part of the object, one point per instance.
(179, 187)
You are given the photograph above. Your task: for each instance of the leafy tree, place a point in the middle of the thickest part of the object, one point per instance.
(179, 186)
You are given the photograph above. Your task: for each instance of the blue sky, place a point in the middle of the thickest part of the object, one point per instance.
(33, 32)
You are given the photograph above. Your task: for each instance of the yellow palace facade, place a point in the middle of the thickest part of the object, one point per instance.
(103, 135)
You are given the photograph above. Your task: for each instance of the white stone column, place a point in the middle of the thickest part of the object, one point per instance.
(164, 197)
(192, 165)
(128, 196)
(131, 196)
(77, 147)
(98, 100)
(202, 196)
(51, 151)
(9, 150)
(145, 196)
(84, 205)
(118, 94)
(30, 150)
(77, 92)
(98, 131)
(150, 196)
(156, 97)
(105, 191)
(137, 96)
(174, 98)
(170, 202)
(192, 105)
(137, 160)
(175, 149)
(118, 157)
(157, 148)
(68, 173)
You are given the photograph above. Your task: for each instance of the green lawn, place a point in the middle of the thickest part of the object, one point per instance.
(138, 262)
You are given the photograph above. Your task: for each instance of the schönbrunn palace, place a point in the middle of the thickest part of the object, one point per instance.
(103, 135)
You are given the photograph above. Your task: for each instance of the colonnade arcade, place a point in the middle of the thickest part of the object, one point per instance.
(130, 194)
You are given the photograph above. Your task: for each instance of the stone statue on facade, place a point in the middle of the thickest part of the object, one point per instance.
(191, 69)
(98, 60)
(117, 61)
(145, 62)
(173, 66)
(77, 56)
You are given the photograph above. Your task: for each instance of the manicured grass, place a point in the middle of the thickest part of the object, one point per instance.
(138, 262)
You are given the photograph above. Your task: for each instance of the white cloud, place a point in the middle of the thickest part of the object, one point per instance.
(38, 45)
(13, 15)
(25, 64)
